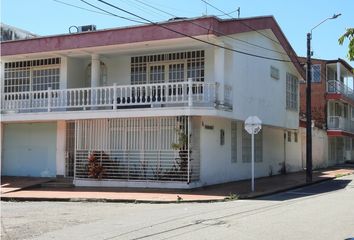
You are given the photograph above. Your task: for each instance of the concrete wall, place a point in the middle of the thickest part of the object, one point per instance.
(216, 165)
(255, 92)
(319, 148)
(76, 73)
(29, 149)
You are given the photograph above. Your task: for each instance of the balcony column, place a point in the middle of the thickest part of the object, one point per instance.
(338, 71)
(219, 69)
(61, 147)
(63, 81)
(95, 70)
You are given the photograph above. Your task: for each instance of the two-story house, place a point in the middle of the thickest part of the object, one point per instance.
(147, 106)
(332, 111)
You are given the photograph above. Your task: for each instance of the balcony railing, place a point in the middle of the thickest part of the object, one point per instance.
(340, 123)
(112, 97)
(334, 86)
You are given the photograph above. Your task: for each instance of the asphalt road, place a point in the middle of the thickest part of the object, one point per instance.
(322, 211)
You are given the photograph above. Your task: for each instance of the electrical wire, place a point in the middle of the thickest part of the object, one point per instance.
(186, 35)
(245, 24)
(103, 12)
(221, 33)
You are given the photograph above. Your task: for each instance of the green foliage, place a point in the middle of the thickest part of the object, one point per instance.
(349, 34)
(232, 196)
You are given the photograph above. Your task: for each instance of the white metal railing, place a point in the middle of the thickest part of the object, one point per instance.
(334, 86)
(152, 165)
(129, 96)
(340, 123)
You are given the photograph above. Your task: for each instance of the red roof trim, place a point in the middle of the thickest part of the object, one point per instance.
(339, 133)
(340, 97)
(149, 32)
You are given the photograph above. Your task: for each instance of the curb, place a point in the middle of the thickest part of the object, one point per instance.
(136, 201)
(42, 199)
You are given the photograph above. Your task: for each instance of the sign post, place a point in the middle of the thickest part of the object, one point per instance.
(253, 125)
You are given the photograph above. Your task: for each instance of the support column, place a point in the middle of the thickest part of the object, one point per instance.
(61, 148)
(63, 79)
(219, 69)
(95, 70)
(338, 71)
(1, 143)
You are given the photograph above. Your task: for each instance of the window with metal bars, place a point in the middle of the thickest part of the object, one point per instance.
(291, 92)
(168, 67)
(247, 146)
(33, 75)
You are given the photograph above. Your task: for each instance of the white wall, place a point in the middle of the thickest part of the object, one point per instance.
(216, 166)
(76, 73)
(118, 70)
(254, 91)
(319, 148)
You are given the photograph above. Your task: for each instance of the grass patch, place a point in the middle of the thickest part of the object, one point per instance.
(232, 196)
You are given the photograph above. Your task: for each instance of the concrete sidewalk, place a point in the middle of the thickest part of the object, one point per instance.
(220, 192)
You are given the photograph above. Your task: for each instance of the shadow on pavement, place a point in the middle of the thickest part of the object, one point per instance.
(311, 190)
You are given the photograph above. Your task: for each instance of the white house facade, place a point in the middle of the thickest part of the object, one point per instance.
(143, 106)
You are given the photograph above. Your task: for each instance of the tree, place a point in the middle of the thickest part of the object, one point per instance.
(349, 34)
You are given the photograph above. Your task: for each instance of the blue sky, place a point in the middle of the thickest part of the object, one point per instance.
(296, 17)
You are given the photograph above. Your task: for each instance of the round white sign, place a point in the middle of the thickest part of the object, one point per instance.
(253, 125)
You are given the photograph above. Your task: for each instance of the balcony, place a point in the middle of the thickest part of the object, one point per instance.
(337, 87)
(177, 94)
(340, 124)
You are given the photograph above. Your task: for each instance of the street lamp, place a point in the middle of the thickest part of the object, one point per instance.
(308, 103)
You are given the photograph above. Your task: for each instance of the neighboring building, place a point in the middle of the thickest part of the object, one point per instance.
(12, 33)
(332, 112)
(150, 107)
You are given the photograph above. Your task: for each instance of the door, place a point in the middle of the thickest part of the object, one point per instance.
(70, 149)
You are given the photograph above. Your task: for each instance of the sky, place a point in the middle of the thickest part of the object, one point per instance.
(295, 17)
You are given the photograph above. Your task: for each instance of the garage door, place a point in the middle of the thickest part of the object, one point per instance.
(29, 150)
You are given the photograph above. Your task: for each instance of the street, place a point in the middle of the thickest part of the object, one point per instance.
(321, 211)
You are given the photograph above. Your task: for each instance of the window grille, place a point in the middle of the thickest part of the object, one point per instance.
(316, 73)
(247, 146)
(291, 92)
(172, 67)
(34, 75)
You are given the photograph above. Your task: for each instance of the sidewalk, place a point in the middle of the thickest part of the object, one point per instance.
(220, 192)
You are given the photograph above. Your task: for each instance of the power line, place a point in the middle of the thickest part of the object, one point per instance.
(189, 36)
(221, 33)
(245, 24)
(82, 8)
(266, 36)
(101, 9)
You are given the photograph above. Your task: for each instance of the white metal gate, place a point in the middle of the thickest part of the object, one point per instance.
(149, 149)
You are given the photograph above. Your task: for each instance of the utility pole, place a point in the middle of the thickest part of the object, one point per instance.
(308, 103)
(308, 113)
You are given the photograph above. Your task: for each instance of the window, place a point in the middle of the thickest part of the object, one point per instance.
(316, 73)
(222, 137)
(233, 142)
(274, 72)
(289, 136)
(247, 146)
(295, 137)
(171, 67)
(291, 92)
(34, 75)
